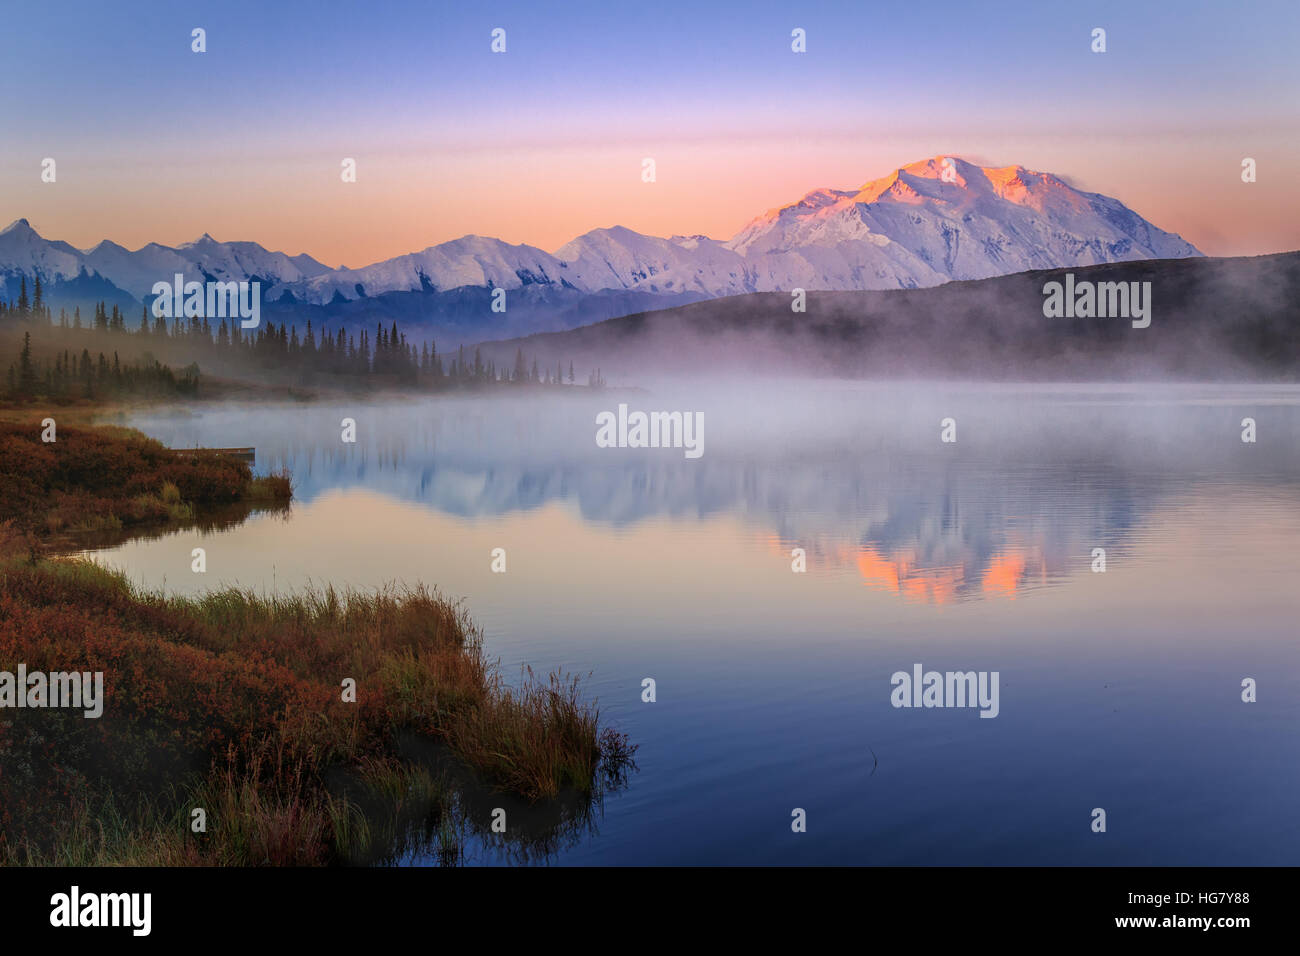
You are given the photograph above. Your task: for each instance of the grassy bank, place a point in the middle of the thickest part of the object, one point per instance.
(99, 478)
(242, 705)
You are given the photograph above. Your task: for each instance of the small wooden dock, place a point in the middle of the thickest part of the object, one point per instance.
(245, 454)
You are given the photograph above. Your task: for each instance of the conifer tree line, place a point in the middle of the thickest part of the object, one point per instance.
(126, 355)
(42, 364)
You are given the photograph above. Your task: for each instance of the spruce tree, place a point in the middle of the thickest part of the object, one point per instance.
(26, 371)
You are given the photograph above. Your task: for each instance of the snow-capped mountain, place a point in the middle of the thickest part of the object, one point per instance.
(619, 258)
(471, 261)
(912, 228)
(922, 225)
(23, 250)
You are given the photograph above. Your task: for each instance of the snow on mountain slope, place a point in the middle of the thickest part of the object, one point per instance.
(468, 261)
(136, 272)
(22, 250)
(247, 260)
(912, 228)
(619, 258)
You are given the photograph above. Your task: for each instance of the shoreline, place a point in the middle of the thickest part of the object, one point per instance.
(281, 718)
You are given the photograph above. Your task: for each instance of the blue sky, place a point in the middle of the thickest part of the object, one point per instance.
(114, 92)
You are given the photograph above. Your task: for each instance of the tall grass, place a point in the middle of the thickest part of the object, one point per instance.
(277, 486)
(234, 702)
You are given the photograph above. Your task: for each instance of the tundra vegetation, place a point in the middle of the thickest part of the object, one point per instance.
(238, 704)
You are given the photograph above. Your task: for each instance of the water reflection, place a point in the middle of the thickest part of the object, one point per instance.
(454, 825)
(857, 478)
(206, 521)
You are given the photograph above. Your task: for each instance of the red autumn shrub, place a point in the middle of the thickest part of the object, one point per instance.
(91, 475)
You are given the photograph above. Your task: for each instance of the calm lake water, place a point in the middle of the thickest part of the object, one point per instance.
(1120, 690)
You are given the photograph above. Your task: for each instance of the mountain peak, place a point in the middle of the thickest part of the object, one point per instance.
(20, 226)
(105, 244)
(945, 218)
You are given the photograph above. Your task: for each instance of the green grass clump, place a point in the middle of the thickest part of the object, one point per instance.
(276, 486)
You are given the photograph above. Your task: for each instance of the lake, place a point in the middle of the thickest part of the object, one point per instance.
(1119, 689)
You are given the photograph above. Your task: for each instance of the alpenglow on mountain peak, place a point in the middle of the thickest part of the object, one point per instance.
(930, 222)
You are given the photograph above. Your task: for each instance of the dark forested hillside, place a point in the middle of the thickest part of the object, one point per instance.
(1235, 319)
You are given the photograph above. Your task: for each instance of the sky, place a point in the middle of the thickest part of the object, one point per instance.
(154, 142)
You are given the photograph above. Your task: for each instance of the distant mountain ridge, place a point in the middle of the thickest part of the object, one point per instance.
(1211, 320)
(931, 222)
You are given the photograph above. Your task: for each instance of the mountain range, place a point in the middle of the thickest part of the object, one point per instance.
(922, 225)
